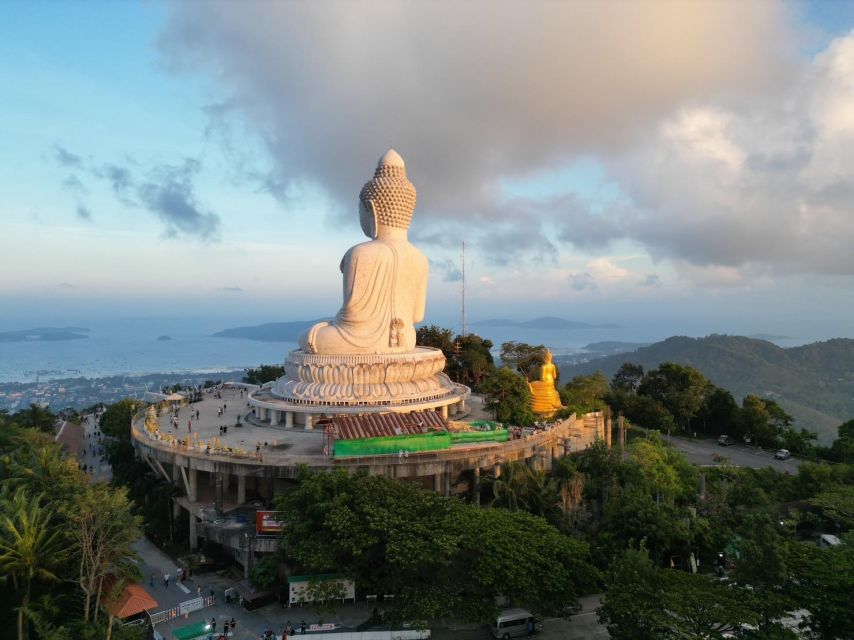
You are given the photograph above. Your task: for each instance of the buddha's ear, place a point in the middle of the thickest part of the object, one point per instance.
(373, 212)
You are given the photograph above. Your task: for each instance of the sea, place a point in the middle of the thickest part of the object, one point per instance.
(130, 346)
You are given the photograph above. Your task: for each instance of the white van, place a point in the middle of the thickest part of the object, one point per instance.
(513, 623)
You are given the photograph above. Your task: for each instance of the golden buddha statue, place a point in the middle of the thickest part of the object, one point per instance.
(545, 400)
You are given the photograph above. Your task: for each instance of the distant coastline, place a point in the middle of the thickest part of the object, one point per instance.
(44, 334)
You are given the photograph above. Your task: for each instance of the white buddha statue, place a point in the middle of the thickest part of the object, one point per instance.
(385, 279)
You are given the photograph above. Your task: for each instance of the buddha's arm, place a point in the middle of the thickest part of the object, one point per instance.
(421, 297)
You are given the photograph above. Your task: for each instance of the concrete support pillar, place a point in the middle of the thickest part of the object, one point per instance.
(452, 409)
(309, 422)
(608, 428)
(176, 474)
(476, 486)
(462, 406)
(437, 482)
(194, 540)
(444, 412)
(621, 425)
(218, 490)
(447, 477)
(496, 470)
(275, 415)
(226, 481)
(241, 489)
(289, 419)
(191, 480)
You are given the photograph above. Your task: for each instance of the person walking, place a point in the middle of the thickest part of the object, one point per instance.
(225, 629)
(179, 575)
(233, 625)
(213, 624)
(166, 580)
(302, 628)
(151, 581)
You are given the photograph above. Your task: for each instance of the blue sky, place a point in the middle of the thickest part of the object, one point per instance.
(684, 165)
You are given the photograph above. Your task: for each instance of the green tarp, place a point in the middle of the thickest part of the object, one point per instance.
(435, 441)
(192, 631)
(463, 437)
(386, 445)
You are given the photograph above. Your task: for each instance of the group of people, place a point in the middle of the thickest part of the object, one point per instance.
(228, 627)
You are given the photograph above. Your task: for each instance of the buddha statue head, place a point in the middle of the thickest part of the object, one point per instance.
(388, 199)
(548, 356)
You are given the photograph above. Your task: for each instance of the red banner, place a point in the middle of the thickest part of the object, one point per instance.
(269, 522)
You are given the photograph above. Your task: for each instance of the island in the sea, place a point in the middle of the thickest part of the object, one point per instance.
(163, 338)
(44, 334)
(269, 332)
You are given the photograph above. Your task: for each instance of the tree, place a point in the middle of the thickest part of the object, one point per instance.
(523, 358)
(584, 394)
(521, 488)
(436, 337)
(263, 373)
(718, 414)
(29, 549)
(627, 378)
(440, 556)
(103, 530)
(473, 362)
(843, 447)
(507, 394)
(644, 602)
(681, 389)
(36, 417)
(822, 581)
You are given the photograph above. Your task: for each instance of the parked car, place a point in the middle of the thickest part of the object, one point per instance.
(725, 441)
(782, 454)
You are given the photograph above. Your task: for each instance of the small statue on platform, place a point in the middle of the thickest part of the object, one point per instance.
(545, 400)
(151, 423)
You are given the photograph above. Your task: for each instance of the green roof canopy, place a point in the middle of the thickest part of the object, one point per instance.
(192, 631)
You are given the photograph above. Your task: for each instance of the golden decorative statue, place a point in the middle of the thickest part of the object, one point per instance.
(545, 400)
(151, 423)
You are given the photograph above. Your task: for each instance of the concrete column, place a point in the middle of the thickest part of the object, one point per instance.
(462, 406)
(265, 413)
(226, 481)
(437, 482)
(176, 474)
(274, 417)
(496, 470)
(445, 412)
(241, 489)
(309, 422)
(194, 540)
(218, 490)
(191, 480)
(447, 478)
(289, 419)
(476, 486)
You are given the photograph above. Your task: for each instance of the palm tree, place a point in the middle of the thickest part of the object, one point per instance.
(28, 548)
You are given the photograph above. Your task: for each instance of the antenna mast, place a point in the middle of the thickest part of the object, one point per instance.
(463, 260)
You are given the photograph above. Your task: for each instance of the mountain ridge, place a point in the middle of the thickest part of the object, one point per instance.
(813, 382)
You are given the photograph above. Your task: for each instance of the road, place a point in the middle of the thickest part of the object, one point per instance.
(703, 452)
(584, 625)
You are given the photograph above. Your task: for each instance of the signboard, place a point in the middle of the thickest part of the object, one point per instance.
(269, 523)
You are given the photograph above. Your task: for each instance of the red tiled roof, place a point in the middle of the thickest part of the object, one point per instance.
(133, 599)
(70, 437)
(374, 425)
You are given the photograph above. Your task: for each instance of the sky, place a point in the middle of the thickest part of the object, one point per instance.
(683, 163)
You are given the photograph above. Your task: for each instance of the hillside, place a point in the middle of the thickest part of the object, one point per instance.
(815, 382)
(269, 332)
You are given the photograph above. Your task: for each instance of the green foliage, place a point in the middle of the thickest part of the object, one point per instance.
(812, 382)
(627, 378)
(263, 373)
(436, 337)
(440, 556)
(508, 396)
(36, 417)
(265, 573)
(680, 389)
(645, 602)
(523, 358)
(584, 394)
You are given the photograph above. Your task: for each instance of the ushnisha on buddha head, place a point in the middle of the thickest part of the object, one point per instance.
(388, 199)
